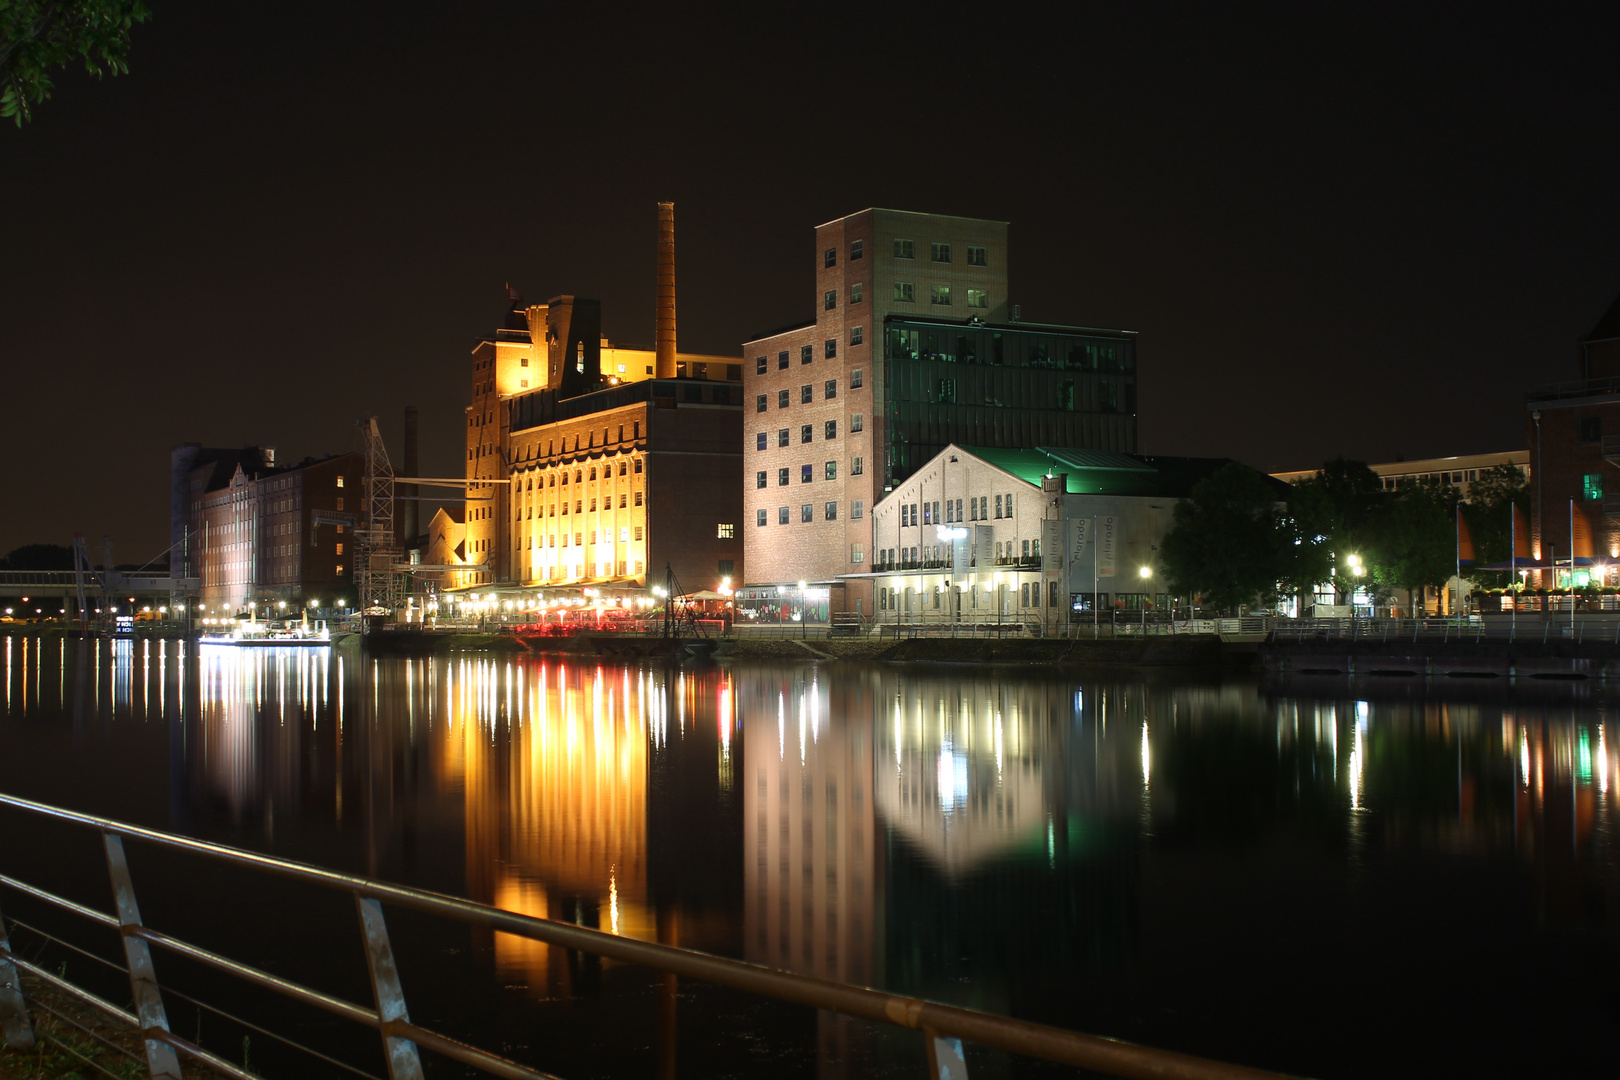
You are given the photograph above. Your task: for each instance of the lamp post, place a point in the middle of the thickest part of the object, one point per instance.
(1146, 574)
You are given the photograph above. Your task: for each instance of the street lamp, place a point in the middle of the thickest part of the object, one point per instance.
(1146, 574)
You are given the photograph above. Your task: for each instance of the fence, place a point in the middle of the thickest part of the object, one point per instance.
(944, 1027)
(1569, 626)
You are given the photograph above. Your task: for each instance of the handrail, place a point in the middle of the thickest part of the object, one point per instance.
(935, 1019)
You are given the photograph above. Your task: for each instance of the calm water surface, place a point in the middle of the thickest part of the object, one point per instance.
(1335, 879)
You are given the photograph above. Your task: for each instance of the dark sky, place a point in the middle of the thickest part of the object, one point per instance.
(1351, 230)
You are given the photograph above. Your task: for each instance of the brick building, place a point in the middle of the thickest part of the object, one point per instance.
(253, 532)
(597, 465)
(1573, 431)
(914, 346)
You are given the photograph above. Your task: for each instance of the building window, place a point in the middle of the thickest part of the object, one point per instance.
(979, 298)
(759, 366)
(832, 470)
(855, 379)
(857, 509)
(830, 511)
(339, 550)
(806, 432)
(978, 256)
(760, 518)
(781, 515)
(855, 249)
(905, 292)
(340, 481)
(941, 253)
(781, 360)
(829, 300)
(725, 531)
(831, 348)
(807, 512)
(1591, 429)
(855, 293)
(939, 295)
(998, 506)
(781, 436)
(1592, 486)
(1009, 504)
(807, 394)
(759, 441)
(340, 569)
(759, 479)
(829, 430)
(781, 399)
(857, 465)
(638, 498)
(781, 477)
(807, 473)
(903, 250)
(759, 403)
(857, 334)
(829, 257)
(638, 460)
(830, 390)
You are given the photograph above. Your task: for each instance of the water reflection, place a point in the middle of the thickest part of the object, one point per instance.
(1067, 850)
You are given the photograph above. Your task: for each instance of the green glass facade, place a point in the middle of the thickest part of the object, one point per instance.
(1003, 385)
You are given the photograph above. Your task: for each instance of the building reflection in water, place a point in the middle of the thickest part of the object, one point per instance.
(1021, 846)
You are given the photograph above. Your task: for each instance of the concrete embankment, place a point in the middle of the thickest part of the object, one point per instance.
(1461, 659)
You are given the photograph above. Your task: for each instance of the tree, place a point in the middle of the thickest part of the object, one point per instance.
(38, 36)
(1414, 541)
(38, 556)
(1225, 543)
(1488, 517)
(1333, 515)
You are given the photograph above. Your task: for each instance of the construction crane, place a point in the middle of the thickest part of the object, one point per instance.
(377, 576)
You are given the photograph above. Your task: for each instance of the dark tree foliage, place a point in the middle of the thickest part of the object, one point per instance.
(39, 557)
(39, 36)
(1414, 542)
(1334, 514)
(1225, 544)
(1488, 519)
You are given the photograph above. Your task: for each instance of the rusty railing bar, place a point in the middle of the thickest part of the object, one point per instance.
(296, 991)
(1097, 1052)
(67, 905)
(467, 1055)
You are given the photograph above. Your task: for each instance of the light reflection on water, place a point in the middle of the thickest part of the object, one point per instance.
(959, 835)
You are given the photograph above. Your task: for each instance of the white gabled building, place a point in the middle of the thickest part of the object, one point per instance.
(986, 534)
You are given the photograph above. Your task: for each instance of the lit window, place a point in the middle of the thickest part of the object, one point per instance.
(339, 550)
(979, 298)
(939, 294)
(340, 568)
(857, 422)
(1592, 486)
(857, 553)
(905, 292)
(725, 531)
(340, 481)
(857, 509)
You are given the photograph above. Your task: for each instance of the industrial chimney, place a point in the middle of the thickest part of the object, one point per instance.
(664, 357)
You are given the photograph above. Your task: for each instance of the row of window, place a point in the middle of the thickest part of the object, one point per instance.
(829, 430)
(522, 512)
(807, 513)
(604, 536)
(580, 477)
(807, 473)
(939, 251)
(807, 394)
(978, 509)
(939, 294)
(1029, 595)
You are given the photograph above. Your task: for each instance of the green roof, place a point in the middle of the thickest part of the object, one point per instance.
(1101, 472)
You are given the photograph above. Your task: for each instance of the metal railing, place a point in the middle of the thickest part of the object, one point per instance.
(1533, 627)
(945, 1027)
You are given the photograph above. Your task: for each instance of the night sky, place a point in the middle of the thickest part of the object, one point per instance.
(1338, 230)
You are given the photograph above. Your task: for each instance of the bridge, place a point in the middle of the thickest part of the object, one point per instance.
(63, 584)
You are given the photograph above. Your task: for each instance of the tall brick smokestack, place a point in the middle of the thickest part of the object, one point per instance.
(664, 356)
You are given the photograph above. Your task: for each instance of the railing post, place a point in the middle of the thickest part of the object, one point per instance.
(403, 1062)
(13, 1006)
(945, 1060)
(161, 1060)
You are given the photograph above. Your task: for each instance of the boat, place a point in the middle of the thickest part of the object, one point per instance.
(263, 636)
